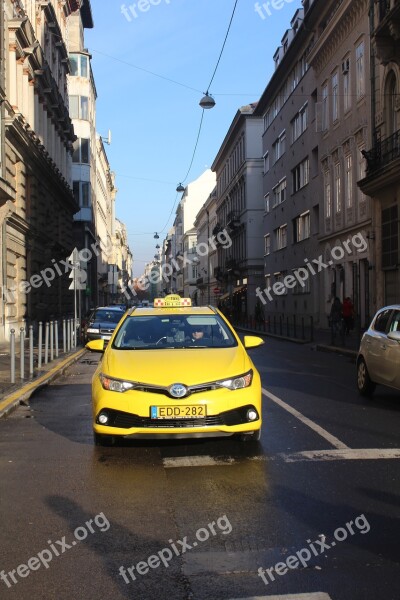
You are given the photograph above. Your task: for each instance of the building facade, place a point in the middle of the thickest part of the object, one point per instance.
(36, 199)
(382, 178)
(238, 168)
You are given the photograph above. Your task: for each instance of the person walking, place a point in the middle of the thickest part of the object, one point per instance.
(348, 315)
(335, 318)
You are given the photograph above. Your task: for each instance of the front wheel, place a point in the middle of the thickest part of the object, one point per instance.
(251, 437)
(101, 439)
(365, 386)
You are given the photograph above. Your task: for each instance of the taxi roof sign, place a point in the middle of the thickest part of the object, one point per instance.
(171, 301)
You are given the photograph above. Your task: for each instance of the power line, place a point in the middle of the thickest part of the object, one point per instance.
(223, 45)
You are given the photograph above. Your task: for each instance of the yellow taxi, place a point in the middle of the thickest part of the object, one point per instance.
(175, 371)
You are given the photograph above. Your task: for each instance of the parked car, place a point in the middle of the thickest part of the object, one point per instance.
(101, 322)
(175, 371)
(378, 360)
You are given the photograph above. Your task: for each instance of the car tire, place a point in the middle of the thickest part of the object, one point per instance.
(101, 439)
(365, 386)
(251, 437)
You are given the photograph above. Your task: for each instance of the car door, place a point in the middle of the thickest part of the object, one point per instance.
(391, 354)
(376, 345)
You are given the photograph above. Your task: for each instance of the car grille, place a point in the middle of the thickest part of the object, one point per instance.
(126, 420)
(106, 331)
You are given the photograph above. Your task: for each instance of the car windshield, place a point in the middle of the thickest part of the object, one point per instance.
(173, 331)
(110, 316)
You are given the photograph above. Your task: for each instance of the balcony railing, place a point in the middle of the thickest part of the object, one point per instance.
(384, 8)
(384, 152)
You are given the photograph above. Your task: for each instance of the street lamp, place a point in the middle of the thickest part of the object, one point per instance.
(180, 188)
(207, 101)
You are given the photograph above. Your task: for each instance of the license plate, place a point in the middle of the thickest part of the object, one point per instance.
(178, 412)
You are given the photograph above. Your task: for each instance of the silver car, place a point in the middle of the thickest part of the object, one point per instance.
(378, 360)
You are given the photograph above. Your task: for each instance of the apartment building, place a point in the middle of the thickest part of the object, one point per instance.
(339, 58)
(184, 237)
(291, 182)
(239, 209)
(82, 100)
(207, 252)
(382, 178)
(36, 199)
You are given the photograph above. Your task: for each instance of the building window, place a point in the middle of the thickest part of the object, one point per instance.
(328, 194)
(349, 181)
(266, 203)
(266, 162)
(390, 237)
(335, 97)
(361, 173)
(267, 119)
(79, 107)
(325, 108)
(268, 281)
(391, 97)
(281, 237)
(301, 175)
(267, 245)
(338, 189)
(279, 277)
(279, 192)
(360, 70)
(82, 193)
(279, 147)
(81, 151)
(346, 84)
(79, 65)
(194, 272)
(302, 227)
(299, 123)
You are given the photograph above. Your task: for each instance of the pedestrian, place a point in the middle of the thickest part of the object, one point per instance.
(348, 315)
(335, 316)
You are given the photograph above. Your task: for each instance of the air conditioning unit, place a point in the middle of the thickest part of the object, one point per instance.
(346, 66)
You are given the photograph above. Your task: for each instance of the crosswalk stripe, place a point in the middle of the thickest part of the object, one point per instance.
(311, 596)
(346, 454)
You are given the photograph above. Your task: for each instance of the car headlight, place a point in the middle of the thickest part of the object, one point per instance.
(237, 383)
(91, 330)
(115, 385)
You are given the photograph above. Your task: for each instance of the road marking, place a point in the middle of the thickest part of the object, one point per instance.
(194, 461)
(312, 596)
(322, 432)
(345, 454)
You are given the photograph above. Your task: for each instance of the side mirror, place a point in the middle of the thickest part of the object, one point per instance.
(394, 335)
(95, 346)
(252, 341)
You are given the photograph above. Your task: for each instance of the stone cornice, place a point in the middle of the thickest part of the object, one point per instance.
(348, 15)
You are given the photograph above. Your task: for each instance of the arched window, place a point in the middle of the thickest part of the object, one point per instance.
(390, 101)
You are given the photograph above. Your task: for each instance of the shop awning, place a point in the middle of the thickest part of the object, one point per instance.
(224, 296)
(239, 289)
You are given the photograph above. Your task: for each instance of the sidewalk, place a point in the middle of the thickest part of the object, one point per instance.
(11, 395)
(322, 340)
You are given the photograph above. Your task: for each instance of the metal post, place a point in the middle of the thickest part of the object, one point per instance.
(68, 340)
(64, 336)
(40, 344)
(56, 336)
(303, 336)
(12, 355)
(51, 341)
(31, 350)
(312, 329)
(294, 327)
(22, 349)
(46, 343)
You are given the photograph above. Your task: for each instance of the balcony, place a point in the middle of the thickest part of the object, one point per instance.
(233, 220)
(383, 164)
(387, 31)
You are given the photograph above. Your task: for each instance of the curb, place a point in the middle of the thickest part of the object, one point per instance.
(272, 335)
(337, 350)
(11, 401)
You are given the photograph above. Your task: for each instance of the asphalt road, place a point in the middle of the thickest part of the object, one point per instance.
(315, 505)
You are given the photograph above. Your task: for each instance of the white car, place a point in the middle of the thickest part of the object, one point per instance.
(378, 360)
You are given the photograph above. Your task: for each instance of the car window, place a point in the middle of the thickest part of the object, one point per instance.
(112, 316)
(174, 331)
(395, 322)
(381, 321)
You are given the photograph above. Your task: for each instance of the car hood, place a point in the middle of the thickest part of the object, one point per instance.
(165, 367)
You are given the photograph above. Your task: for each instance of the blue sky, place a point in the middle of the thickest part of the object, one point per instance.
(154, 122)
